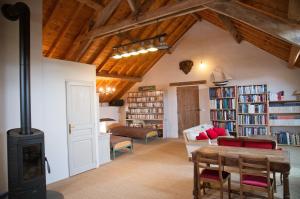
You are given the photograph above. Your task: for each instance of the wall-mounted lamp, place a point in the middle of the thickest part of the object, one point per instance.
(202, 65)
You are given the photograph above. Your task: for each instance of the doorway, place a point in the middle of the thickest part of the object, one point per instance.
(81, 128)
(188, 111)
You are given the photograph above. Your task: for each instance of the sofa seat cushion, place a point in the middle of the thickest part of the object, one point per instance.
(258, 181)
(202, 136)
(213, 174)
(220, 131)
(211, 133)
(231, 142)
(261, 145)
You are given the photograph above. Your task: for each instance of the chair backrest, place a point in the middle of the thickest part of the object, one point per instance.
(255, 166)
(212, 161)
(230, 141)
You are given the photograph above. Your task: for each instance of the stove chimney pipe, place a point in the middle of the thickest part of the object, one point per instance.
(14, 12)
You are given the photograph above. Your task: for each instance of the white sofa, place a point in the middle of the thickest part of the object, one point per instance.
(190, 138)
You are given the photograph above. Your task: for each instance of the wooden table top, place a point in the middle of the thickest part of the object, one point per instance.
(275, 156)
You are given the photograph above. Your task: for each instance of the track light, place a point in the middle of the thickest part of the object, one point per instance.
(140, 47)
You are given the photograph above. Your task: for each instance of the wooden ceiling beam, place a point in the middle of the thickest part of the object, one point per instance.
(294, 55)
(294, 10)
(91, 4)
(101, 19)
(285, 30)
(121, 77)
(133, 4)
(230, 27)
(161, 14)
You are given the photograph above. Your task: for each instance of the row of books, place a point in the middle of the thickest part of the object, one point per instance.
(146, 110)
(147, 105)
(254, 89)
(252, 98)
(252, 119)
(252, 108)
(222, 115)
(250, 131)
(285, 117)
(145, 117)
(222, 104)
(284, 109)
(285, 122)
(221, 92)
(146, 99)
(146, 94)
(230, 126)
(284, 137)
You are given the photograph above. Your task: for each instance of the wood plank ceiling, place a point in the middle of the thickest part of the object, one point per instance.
(66, 22)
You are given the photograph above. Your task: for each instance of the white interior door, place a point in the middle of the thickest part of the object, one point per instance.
(81, 126)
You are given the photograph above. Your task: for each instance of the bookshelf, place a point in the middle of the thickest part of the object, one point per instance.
(285, 121)
(223, 107)
(253, 110)
(146, 109)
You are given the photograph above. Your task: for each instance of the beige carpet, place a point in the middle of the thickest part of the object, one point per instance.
(158, 170)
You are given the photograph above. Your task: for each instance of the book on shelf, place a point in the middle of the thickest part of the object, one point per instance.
(250, 131)
(230, 126)
(252, 119)
(222, 104)
(253, 98)
(252, 108)
(222, 115)
(221, 92)
(252, 89)
(284, 137)
(286, 107)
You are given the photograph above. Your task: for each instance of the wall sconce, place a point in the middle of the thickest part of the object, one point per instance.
(202, 65)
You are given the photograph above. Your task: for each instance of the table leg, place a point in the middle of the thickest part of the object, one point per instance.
(196, 181)
(286, 189)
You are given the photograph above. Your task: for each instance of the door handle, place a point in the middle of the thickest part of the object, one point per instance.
(70, 128)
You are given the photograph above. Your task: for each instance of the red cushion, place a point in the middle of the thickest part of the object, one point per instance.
(220, 131)
(211, 134)
(213, 174)
(261, 145)
(258, 181)
(235, 143)
(202, 136)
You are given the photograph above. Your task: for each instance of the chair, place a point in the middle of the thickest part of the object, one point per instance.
(255, 175)
(213, 172)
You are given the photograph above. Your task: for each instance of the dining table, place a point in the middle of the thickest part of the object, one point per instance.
(279, 162)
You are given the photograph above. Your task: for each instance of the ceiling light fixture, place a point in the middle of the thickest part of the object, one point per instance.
(107, 90)
(144, 46)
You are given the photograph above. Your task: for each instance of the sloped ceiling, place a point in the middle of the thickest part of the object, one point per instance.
(65, 22)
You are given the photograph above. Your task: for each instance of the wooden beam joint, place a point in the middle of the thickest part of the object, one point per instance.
(231, 28)
(188, 83)
(294, 55)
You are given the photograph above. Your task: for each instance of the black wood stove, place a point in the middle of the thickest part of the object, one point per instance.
(25, 145)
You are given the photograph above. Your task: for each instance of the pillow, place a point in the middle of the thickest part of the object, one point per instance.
(202, 136)
(260, 145)
(212, 134)
(220, 131)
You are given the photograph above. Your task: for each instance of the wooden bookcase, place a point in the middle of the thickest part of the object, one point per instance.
(146, 109)
(223, 108)
(285, 121)
(253, 110)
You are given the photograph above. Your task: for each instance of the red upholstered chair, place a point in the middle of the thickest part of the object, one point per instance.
(255, 175)
(213, 172)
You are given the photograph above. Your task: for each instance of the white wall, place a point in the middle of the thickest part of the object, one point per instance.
(215, 47)
(47, 92)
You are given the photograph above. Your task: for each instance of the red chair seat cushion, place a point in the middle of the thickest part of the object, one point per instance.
(258, 181)
(235, 143)
(260, 145)
(212, 134)
(202, 136)
(220, 131)
(213, 174)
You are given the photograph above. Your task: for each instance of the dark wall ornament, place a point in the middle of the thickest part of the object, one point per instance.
(186, 66)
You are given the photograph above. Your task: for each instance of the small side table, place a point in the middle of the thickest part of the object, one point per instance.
(104, 148)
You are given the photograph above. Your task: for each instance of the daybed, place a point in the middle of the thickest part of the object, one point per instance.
(131, 132)
(192, 143)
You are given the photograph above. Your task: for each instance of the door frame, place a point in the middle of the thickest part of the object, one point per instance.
(69, 83)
